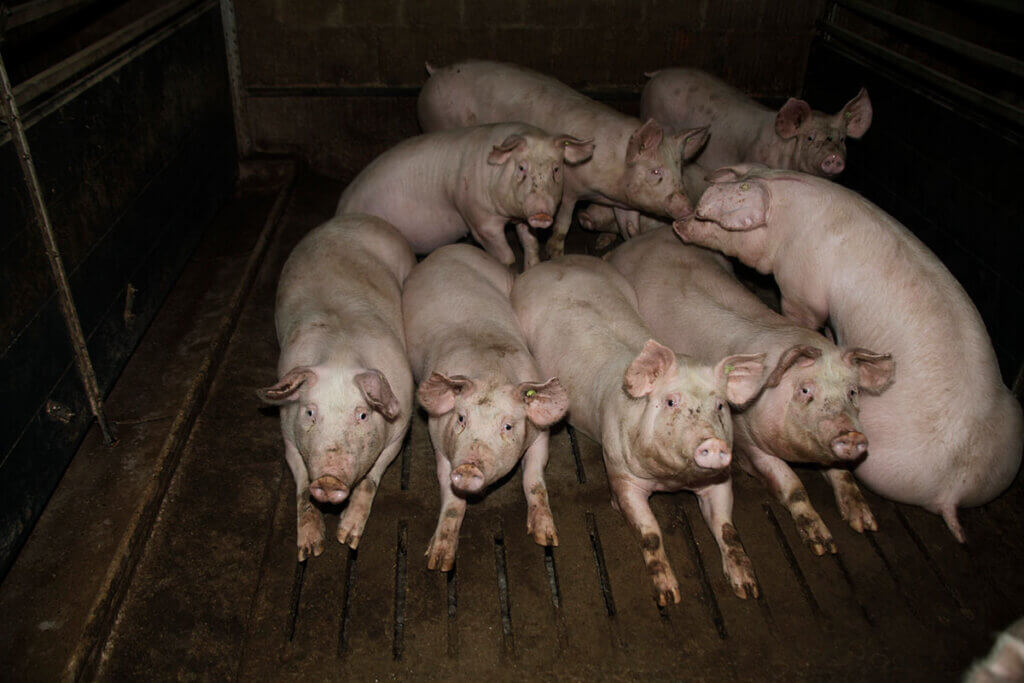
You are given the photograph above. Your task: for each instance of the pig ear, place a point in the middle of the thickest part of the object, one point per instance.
(574, 150)
(546, 402)
(287, 388)
(741, 375)
(789, 357)
(875, 370)
(793, 113)
(727, 174)
(644, 141)
(378, 394)
(692, 141)
(500, 153)
(739, 205)
(654, 362)
(437, 393)
(856, 115)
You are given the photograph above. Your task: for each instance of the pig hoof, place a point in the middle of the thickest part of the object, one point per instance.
(441, 553)
(665, 585)
(739, 570)
(858, 515)
(350, 527)
(311, 537)
(747, 589)
(541, 526)
(815, 534)
(554, 249)
(315, 549)
(605, 240)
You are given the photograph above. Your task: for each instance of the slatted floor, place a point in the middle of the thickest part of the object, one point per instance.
(218, 593)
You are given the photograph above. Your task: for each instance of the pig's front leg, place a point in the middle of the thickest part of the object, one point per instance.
(631, 501)
(311, 530)
(491, 235)
(445, 542)
(563, 219)
(629, 222)
(539, 521)
(716, 506)
(353, 519)
(787, 488)
(531, 248)
(850, 500)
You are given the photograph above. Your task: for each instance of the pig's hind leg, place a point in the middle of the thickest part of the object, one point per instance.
(850, 500)
(353, 519)
(716, 507)
(631, 501)
(539, 521)
(787, 488)
(311, 530)
(445, 542)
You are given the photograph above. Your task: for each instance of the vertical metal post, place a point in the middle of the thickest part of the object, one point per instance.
(242, 139)
(60, 277)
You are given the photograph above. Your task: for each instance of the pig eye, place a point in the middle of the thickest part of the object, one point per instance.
(508, 427)
(309, 412)
(462, 418)
(671, 403)
(522, 167)
(656, 171)
(554, 172)
(853, 393)
(362, 416)
(719, 405)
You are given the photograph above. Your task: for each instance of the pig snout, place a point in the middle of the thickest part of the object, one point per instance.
(833, 164)
(679, 207)
(328, 489)
(541, 220)
(467, 478)
(713, 454)
(849, 445)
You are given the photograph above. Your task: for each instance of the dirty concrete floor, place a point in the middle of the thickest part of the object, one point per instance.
(218, 594)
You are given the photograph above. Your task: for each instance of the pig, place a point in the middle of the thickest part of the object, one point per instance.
(486, 403)
(808, 411)
(636, 165)
(662, 418)
(948, 433)
(345, 387)
(1005, 662)
(795, 138)
(437, 188)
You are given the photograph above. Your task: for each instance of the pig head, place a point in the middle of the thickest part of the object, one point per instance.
(529, 184)
(337, 420)
(809, 410)
(653, 176)
(483, 428)
(685, 428)
(819, 140)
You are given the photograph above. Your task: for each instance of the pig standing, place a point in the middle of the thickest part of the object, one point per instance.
(437, 188)
(948, 433)
(636, 166)
(345, 387)
(808, 410)
(661, 418)
(479, 385)
(795, 137)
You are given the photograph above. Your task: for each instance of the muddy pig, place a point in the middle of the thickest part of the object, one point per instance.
(948, 433)
(808, 410)
(437, 188)
(345, 387)
(796, 137)
(636, 165)
(662, 418)
(487, 403)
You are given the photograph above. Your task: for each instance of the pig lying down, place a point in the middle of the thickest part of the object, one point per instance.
(662, 419)
(438, 188)
(948, 433)
(796, 137)
(808, 410)
(487, 402)
(636, 165)
(345, 388)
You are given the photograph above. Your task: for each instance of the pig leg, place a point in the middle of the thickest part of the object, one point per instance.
(491, 236)
(850, 500)
(531, 248)
(631, 501)
(556, 243)
(441, 551)
(311, 528)
(716, 506)
(787, 488)
(353, 519)
(629, 222)
(539, 521)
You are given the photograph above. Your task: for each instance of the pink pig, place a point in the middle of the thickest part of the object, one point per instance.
(796, 137)
(948, 433)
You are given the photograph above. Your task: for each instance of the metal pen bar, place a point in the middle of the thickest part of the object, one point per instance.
(27, 12)
(242, 139)
(60, 277)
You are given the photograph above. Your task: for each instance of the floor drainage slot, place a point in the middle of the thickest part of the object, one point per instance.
(581, 475)
(346, 605)
(707, 595)
(892, 574)
(602, 569)
(398, 644)
(931, 563)
(801, 580)
(853, 589)
(406, 459)
(504, 600)
(452, 589)
(549, 564)
(293, 608)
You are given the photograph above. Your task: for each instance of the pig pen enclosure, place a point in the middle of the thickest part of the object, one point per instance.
(166, 158)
